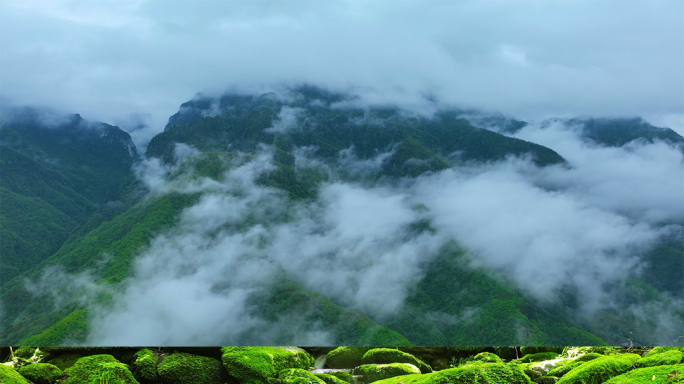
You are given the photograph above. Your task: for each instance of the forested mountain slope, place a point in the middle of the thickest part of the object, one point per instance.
(298, 218)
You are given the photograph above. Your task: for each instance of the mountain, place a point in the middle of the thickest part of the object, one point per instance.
(251, 194)
(54, 176)
(612, 132)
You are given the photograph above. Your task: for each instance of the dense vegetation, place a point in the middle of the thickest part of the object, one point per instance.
(60, 216)
(294, 365)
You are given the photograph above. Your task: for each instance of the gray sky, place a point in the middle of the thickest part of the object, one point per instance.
(125, 62)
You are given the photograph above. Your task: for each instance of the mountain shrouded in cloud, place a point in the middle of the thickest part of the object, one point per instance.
(306, 216)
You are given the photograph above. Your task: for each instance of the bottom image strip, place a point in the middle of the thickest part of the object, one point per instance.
(341, 365)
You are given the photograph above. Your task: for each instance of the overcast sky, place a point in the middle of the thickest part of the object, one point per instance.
(127, 61)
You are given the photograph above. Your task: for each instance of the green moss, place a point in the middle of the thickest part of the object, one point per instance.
(543, 356)
(533, 374)
(330, 379)
(97, 369)
(476, 373)
(343, 375)
(547, 380)
(373, 372)
(391, 355)
(180, 368)
(565, 368)
(487, 357)
(252, 365)
(298, 376)
(654, 375)
(658, 350)
(665, 358)
(65, 361)
(41, 373)
(24, 352)
(145, 366)
(599, 370)
(346, 357)
(9, 375)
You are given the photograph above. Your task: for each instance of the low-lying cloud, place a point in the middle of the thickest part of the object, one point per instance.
(545, 230)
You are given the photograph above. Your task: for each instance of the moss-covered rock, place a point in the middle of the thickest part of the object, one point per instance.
(655, 375)
(562, 369)
(330, 379)
(391, 355)
(658, 350)
(9, 375)
(533, 374)
(542, 356)
(99, 369)
(41, 373)
(180, 368)
(547, 380)
(599, 370)
(145, 366)
(65, 361)
(375, 372)
(670, 357)
(255, 365)
(345, 357)
(298, 376)
(476, 373)
(342, 375)
(487, 357)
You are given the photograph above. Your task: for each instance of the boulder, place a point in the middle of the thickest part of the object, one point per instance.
(298, 376)
(9, 375)
(345, 357)
(670, 357)
(145, 366)
(180, 368)
(391, 355)
(375, 372)
(97, 369)
(255, 365)
(663, 374)
(473, 373)
(487, 357)
(41, 373)
(601, 369)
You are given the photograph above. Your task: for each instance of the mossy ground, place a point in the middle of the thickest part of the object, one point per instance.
(391, 355)
(375, 372)
(330, 379)
(599, 370)
(670, 357)
(476, 373)
(255, 365)
(298, 376)
(9, 375)
(343, 375)
(41, 373)
(654, 375)
(97, 369)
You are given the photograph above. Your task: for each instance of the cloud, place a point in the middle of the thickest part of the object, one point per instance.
(109, 60)
(544, 230)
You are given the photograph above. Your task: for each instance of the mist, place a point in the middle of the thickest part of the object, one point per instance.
(131, 64)
(542, 230)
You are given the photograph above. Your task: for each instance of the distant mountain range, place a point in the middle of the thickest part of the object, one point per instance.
(71, 198)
